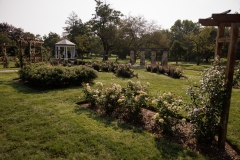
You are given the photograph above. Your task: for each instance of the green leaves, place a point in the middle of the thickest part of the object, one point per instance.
(207, 101)
(47, 76)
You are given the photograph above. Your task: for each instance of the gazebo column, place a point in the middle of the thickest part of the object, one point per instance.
(59, 54)
(74, 52)
(56, 52)
(66, 54)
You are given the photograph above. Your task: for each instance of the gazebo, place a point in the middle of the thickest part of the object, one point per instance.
(68, 51)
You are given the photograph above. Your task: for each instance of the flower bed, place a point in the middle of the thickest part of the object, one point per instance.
(128, 101)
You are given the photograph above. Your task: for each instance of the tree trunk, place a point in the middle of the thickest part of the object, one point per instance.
(105, 52)
(198, 59)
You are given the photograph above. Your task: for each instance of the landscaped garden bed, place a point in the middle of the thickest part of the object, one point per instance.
(130, 104)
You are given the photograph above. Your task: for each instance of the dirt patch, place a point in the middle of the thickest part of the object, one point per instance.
(183, 138)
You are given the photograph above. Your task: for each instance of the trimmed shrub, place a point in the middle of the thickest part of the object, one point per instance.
(121, 101)
(47, 76)
(124, 70)
(169, 71)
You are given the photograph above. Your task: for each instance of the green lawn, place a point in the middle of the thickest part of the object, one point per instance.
(50, 125)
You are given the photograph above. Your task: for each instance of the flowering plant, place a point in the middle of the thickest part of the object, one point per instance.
(168, 106)
(207, 100)
(126, 101)
(236, 80)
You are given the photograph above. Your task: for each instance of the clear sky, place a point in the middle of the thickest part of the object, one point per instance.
(43, 16)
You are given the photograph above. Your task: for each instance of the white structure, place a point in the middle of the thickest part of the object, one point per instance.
(68, 51)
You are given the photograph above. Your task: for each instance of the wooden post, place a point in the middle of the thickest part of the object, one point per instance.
(229, 77)
(220, 34)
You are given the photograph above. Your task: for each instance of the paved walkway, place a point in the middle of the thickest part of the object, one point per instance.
(8, 71)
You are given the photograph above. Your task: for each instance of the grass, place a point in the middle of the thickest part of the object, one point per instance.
(49, 125)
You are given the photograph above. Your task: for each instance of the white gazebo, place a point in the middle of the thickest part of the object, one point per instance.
(68, 51)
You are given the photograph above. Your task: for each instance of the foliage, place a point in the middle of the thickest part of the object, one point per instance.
(177, 50)
(170, 70)
(12, 32)
(236, 78)
(50, 40)
(127, 102)
(74, 27)
(104, 25)
(120, 70)
(124, 70)
(204, 43)
(124, 102)
(207, 101)
(96, 66)
(47, 76)
(183, 31)
(168, 107)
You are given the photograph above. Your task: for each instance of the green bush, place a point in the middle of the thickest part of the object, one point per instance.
(236, 78)
(207, 101)
(124, 70)
(175, 72)
(170, 71)
(96, 66)
(47, 76)
(125, 102)
(168, 106)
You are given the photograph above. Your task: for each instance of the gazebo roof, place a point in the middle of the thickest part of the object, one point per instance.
(65, 42)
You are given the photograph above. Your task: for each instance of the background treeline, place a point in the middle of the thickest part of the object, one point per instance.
(110, 32)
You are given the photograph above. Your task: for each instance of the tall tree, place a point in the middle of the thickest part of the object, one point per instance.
(177, 50)
(13, 33)
(182, 31)
(50, 40)
(75, 27)
(104, 24)
(204, 43)
(137, 32)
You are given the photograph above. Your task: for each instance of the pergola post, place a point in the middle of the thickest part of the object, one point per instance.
(225, 20)
(219, 45)
(229, 77)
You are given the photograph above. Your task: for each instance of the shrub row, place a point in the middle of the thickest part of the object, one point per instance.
(126, 102)
(47, 76)
(120, 70)
(168, 70)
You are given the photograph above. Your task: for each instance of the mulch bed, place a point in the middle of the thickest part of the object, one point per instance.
(184, 138)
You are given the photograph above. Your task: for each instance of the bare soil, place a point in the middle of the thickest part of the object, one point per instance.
(184, 138)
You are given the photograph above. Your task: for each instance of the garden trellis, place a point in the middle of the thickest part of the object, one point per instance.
(223, 20)
(32, 44)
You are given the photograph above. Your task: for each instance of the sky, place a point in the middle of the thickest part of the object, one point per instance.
(45, 16)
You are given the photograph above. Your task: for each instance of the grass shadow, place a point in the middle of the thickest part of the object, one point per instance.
(28, 89)
(107, 121)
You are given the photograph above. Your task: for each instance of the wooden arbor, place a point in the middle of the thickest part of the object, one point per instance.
(223, 20)
(31, 43)
(5, 57)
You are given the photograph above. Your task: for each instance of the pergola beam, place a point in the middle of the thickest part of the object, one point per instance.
(211, 22)
(232, 18)
(223, 39)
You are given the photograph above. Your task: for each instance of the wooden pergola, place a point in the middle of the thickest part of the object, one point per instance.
(5, 57)
(31, 43)
(223, 20)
